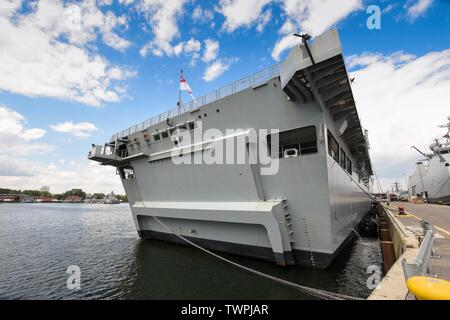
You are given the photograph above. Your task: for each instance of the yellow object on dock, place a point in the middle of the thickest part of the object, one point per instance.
(426, 288)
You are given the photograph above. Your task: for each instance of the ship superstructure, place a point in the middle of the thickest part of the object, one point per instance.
(298, 209)
(431, 177)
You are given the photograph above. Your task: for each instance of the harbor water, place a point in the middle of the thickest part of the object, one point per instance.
(38, 242)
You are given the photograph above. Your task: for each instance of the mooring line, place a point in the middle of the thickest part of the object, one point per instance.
(318, 293)
(322, 294)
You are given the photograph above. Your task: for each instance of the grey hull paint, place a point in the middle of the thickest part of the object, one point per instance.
(445, 199)
(297, 257)
(432, 178)
(311, 203)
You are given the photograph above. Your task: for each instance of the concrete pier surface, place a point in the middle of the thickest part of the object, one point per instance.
(406, 232)
(439, 217)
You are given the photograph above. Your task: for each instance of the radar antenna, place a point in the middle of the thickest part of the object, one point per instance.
(305, 38)
(413, 147)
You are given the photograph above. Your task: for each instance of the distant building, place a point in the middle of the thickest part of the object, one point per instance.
(41, 199)
(73, 198)
(9, 198)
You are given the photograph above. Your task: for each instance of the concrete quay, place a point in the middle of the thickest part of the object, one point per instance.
(406, 232)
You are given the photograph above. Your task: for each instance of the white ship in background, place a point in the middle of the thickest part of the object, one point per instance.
(111, 198)
(303, 214)
(431, 177)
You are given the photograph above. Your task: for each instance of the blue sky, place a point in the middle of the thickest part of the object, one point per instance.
(75, 72)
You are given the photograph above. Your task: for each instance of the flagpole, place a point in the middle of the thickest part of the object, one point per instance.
(179, 91)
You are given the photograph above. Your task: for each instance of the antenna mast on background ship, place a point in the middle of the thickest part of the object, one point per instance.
(447, 135)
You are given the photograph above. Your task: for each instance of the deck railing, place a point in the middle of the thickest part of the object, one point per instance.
(254, 80)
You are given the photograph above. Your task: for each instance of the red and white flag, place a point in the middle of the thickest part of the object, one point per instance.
(184, 86)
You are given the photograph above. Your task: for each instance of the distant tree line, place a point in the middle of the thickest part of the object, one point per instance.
(122, 198)
(74, 192)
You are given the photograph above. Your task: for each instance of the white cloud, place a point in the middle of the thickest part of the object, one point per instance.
(104, 2)
(8, 7)
(162, 16)
(14, 167)
(191, 47)
(241, 13)
(110, 38)
(80, 22)
(401, 100)
(197, 14)
(126, 2)
(211, 50)
(59, 34)
(417, 8)
(87, 175)
(216, 69)
(145, 50)
(17, 140)
(17, 171)
(263, 20)
(286, 42)
(202, 15)
(80, 130)
(12, 124)
(311, 16)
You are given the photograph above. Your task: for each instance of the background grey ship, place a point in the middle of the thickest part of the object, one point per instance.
(431, 177)
(305, 213)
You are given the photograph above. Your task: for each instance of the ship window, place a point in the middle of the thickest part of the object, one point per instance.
(343, 159)
(126, 173)
(191, 125)
(303, 140)
(156, 137)
(333, 147)
(164, 134)
(349, 165)
(129, 173)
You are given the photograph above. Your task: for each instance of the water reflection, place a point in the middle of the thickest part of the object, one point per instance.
(165, 271)
(39, 242)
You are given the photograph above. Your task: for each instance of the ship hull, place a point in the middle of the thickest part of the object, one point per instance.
(433, 180)
(300, 207)
(296, 257)
(324, 203)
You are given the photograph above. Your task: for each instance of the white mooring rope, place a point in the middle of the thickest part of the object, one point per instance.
(322, 294)
(311, 291)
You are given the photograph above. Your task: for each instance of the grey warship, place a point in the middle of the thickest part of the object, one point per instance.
(431, 176)
(303, 214)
